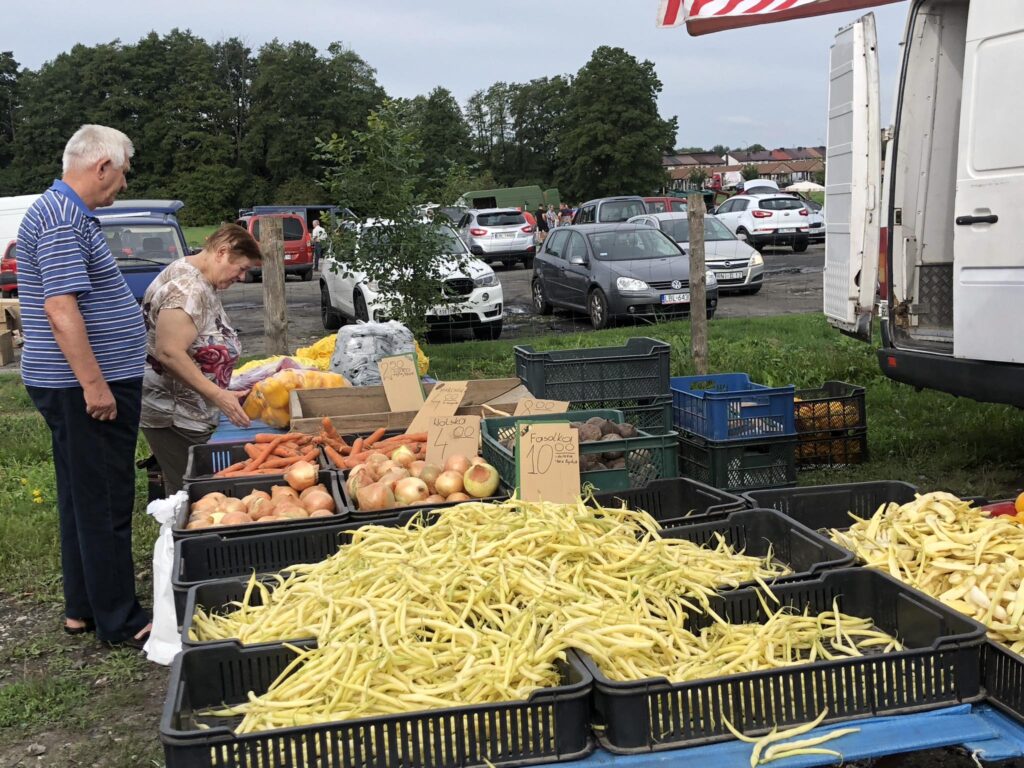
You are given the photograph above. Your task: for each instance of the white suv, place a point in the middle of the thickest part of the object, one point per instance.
(499, 234)
(351, 296)
(763, 220)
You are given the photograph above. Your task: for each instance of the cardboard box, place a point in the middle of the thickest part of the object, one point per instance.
(6, 347)
(360, 409)
(10, 315)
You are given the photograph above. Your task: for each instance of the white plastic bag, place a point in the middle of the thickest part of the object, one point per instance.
(164, 640)
(359, 347)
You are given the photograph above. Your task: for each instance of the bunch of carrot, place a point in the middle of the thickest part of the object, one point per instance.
(272, 454)
(347, 456)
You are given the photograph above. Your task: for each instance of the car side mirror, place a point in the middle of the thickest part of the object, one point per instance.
(579, 261)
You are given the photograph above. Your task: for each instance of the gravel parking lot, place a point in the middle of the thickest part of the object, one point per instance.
(792, 286)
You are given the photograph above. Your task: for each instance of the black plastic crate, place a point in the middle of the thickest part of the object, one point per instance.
(241, 487)
(207, 459)
(367, 518)
(835, 405)
(214, 556)
(552, 725)
(639, 368)
(648, 457)
(829, 506)
(757, 531)
(652, 415)
(1004, 679)
(940, 666)
(737, 465)
(674, 501)
(832, 449)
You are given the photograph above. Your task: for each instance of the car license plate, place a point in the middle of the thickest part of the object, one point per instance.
(784, 231)
(441, 311)
(503, 235)
(675, 298)
(730, 275)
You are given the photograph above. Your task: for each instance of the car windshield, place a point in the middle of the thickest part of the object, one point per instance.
(378, 238)
(621, 210)
(501, 219)
(781, 204)
(134, 244)
(679, 230)
(630, 244)
(451, 241)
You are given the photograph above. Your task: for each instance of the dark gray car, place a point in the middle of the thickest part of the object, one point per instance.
(615, 270)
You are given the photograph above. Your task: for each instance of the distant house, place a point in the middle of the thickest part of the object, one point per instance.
(784, 165)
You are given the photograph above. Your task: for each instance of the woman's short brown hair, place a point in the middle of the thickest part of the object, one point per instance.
(241, 244)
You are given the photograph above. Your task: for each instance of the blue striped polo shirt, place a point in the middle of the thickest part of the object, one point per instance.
(61, 250)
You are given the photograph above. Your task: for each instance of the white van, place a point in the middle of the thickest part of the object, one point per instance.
(938, 242)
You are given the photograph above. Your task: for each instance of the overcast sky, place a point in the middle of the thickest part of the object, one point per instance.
(764, 84)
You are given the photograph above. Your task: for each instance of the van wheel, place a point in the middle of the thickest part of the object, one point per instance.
(487, 331)
(331, 318)
(800, 246)
(359, 303)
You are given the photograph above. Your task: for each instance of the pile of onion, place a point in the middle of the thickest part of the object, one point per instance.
(301, 499)
(381, 483)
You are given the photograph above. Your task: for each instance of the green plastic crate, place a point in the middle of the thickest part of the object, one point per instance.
(648, 457)
(652, 415)
(736, 465)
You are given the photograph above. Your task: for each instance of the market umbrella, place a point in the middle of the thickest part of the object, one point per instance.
(703, 16)
(805, 186)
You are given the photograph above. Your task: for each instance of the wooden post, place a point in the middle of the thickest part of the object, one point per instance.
(275, 319)
(698, 289)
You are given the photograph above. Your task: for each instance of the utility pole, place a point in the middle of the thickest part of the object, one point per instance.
(698, 289)
(275, 321)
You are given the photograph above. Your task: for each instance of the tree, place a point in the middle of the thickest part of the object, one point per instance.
(697, 177)
(8, 105)
(756, 148)
(443, 136)
(375, 171)
(720, 149)
(819, 177)
(614, 138)
(750, 171)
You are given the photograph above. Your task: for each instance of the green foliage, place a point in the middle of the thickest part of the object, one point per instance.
(750, 171)
(443, 136)
(614, 138)
(756, 148)
(375, 172)
(697, 177)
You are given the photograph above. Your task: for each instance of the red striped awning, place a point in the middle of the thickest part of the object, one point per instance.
(703, 16)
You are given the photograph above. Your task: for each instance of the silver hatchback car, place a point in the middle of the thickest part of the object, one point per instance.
(499, 234)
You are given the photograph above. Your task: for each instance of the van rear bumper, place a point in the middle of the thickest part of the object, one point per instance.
(977, 379)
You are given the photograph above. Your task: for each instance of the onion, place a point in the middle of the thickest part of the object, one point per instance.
(235, 518)
(301, 475)
(294, 512)
(457, 463)
(375, 497)
(357, 481)
(434, 498)
(321, 513)
(312, 489)
(410, 491)
(208, 503)
(381, 468)
(429, 474)
(416, 467)
(459, 497)
(403, 456)
(233, 505)
(477, 460)
(481, 480)
(252, 496)
(261, 508)
(279, 492)
(448, 482)
(216, 517)
(392, 476)
(318, 500)
(202, 522)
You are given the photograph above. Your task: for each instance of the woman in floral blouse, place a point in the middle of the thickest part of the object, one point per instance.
(192, 349)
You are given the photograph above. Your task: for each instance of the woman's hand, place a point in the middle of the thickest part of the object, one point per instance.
(230, 405)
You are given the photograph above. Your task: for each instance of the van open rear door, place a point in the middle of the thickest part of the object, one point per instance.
(853, 180)
(988, 258)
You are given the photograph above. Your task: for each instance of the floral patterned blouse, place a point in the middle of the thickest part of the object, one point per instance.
(165, 400)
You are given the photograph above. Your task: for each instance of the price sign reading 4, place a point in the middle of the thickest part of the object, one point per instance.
(547, 461)
(401, 383)
(451, 436)
(531, 406)
(444, 400)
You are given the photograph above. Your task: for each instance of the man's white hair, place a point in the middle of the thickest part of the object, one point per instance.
(92, 143)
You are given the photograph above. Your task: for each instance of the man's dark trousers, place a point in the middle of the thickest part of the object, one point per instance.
(95, 467)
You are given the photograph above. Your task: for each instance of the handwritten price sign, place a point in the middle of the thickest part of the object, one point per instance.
(548, 461)
(401, 382)
(444, 400)
(531, 406)
(452, 436)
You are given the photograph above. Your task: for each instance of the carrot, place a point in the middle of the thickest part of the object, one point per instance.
(264, 454)
(357, 446)
(334, 456)
(234, 468)
(376, 435)
(329, 430)
(251, 450)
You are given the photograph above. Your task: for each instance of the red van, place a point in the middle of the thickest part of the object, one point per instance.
(9, 270)
(298, 243)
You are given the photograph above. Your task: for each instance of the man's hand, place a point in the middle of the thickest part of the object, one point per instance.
(99, 402)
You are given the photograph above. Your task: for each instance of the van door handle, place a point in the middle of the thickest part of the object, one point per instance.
(964, 221)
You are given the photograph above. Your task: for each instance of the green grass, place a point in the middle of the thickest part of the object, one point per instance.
(195, 236)
(927, 438)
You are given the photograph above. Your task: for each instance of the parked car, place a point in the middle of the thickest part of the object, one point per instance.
(815, 223)
(9, 270)
(614, 270)
(764, 220)
(609, 210)
(738, 268)
(298, 243)
(499, 234)
(347, 295)
(757, 187)
(144, 236)
(664, 204)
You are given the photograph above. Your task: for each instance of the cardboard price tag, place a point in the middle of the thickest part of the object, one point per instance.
(547, 461)
(444, 400)
(532, 406)
(452, 436)
(401, 382)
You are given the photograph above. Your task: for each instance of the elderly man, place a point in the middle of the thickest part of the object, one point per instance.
(82, 363)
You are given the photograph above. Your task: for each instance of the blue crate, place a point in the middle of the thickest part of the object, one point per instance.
(729, 406)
